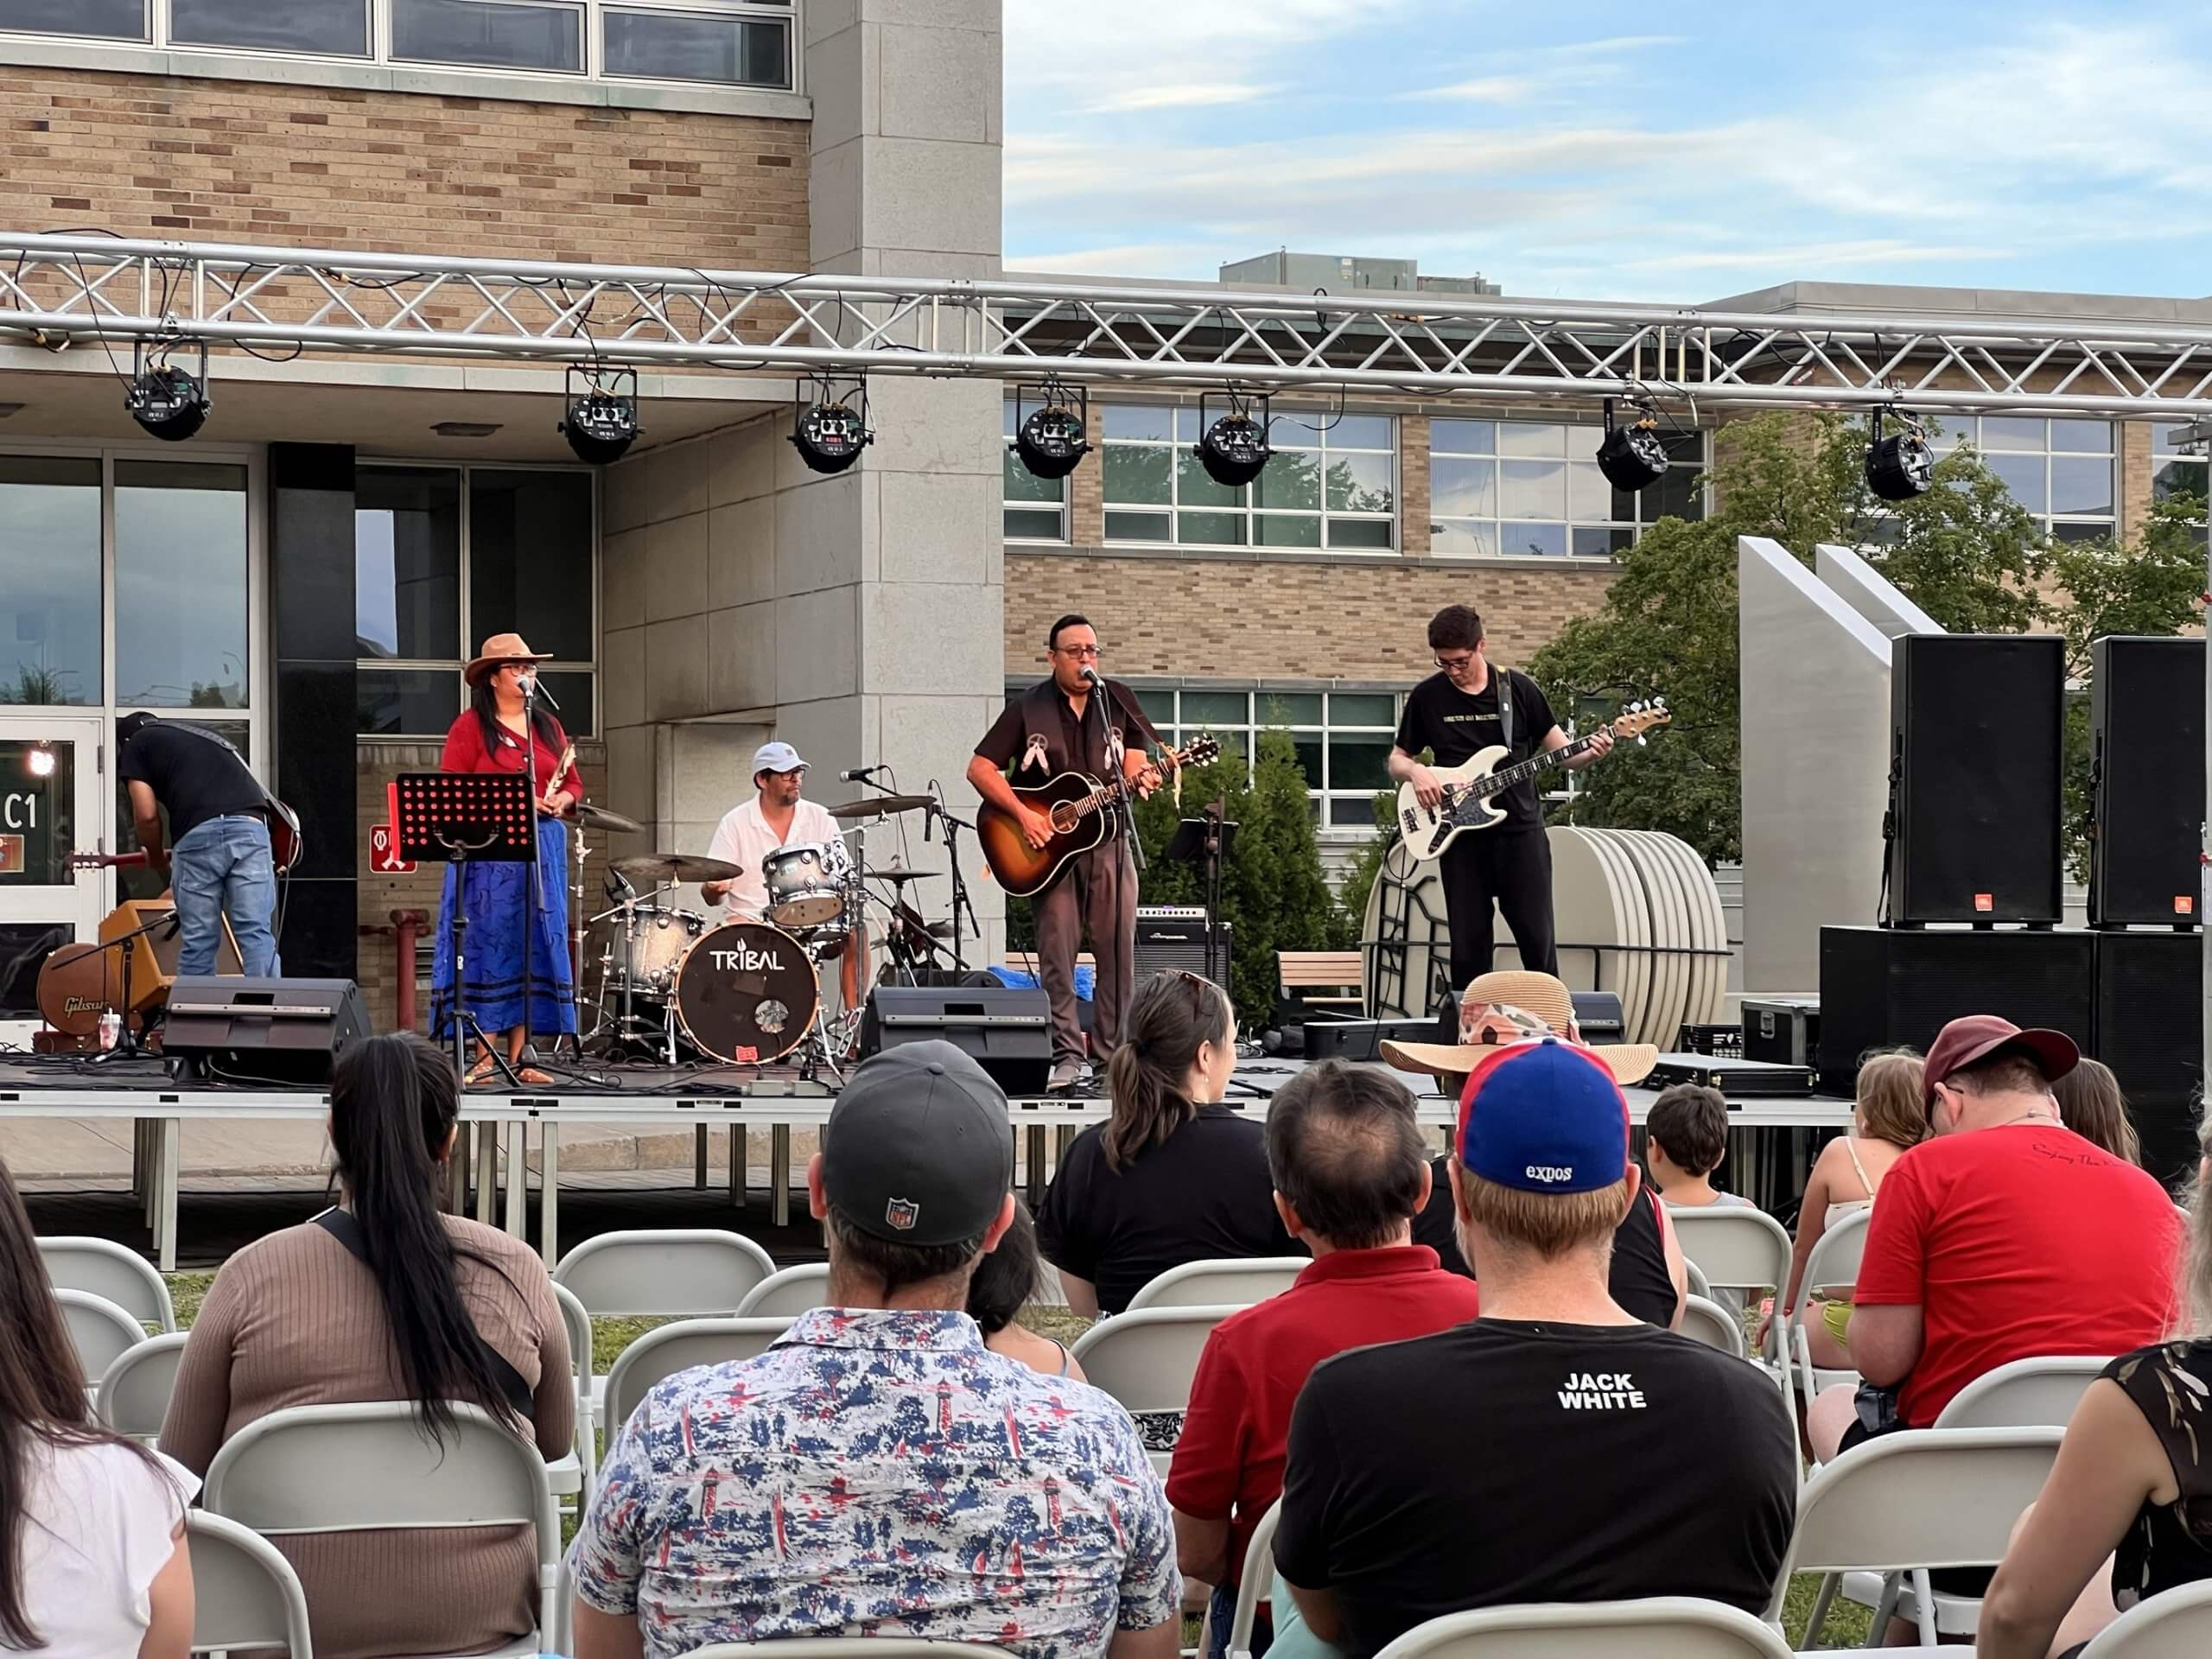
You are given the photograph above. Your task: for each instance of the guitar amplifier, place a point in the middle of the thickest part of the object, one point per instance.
(153, 954)
(280, 1030)
(1172, 939)
(1010, 1032)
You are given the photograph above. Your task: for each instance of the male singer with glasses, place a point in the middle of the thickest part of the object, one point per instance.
(1074, 722)
(1453, 713)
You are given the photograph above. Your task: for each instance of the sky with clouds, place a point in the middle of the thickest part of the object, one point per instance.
(1612, 151)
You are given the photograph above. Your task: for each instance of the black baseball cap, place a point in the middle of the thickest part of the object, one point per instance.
(918, 1148)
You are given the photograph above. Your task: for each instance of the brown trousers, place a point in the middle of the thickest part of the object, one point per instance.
(1097, 891)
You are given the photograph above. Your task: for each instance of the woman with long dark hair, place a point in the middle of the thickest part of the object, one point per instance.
(1007, 1281)
(92, 1556)
(1173, 1176)
(517, 946)
(385, 1298)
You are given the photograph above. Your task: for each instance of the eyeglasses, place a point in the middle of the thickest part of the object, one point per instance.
(1454, 665)
(1077, 651)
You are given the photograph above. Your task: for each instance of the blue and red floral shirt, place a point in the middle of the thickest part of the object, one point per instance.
(878, 1472)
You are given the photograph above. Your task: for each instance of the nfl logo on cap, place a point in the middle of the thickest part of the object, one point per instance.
(902, 1213)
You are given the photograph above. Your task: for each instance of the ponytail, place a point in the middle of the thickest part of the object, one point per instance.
(394, 1103)
(1170, 1019)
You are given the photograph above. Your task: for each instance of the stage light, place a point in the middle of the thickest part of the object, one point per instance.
(830, 432)
(1900, 466)
(168, 400)
(1053, 438)
(1631, 457)
(602, 419)
(40, 760)
(1233, 447)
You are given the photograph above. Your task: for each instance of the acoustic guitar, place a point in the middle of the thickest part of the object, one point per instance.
(1081, 810)
(1469, 787)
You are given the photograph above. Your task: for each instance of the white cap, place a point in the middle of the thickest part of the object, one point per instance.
(776, 756)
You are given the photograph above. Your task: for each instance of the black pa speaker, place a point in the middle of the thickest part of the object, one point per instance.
(1008, 1032)
(1976, 726)
(1172, 937)
(2146, 744)
(263, 1030)
(2149, 1029)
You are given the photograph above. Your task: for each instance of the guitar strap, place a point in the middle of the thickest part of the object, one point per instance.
(220, 741)
(1504, 707)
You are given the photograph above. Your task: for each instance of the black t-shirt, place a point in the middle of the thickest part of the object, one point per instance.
(1202, 1193)
(1516, 1466)
(1446, 720)
(192, 776)
(1070, 744)
(1639, 1282)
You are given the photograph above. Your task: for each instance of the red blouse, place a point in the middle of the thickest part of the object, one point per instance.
(465, 751)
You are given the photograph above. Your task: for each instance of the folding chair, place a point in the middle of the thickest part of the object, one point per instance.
(100, 1330)
(571, 1474)
(132, 1395)
(1736, 1249)
(852, 1647)
(106, 1269)
(1145, 1359)
(788, 1291)
(1912, 1501)
(1221, 1283)
(1659, 1627)
(372, 1467)
(1704, 1321)
(2174, 1624)
(1700, 1285)
(244, 1594)
(1832, 1265)
(660, 1354)
(1255, 1587)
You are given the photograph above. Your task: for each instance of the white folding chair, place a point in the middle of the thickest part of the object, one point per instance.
(585, 1453)
(661, 1353)
(1255, 1587)
(1704, 1321)
(1909, 1502)
(244, 1594)
(1659, 1627)
(132, 1395)
(2173, 1624)
(1225, 1282)
(1832, 1265)
(1145, 1359)
(1699, 1284)
(1736, 1249)
(106, 1269)
(100, 1330)
(372, 1467)
(851, 1647)
(788, 1291)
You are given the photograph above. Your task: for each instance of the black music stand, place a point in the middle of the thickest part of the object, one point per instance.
(1205, 842)
(462, 818)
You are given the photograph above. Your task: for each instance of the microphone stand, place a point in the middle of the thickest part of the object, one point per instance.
(961, 902)
(537, 906)
(1126, 811)
(128, 1043)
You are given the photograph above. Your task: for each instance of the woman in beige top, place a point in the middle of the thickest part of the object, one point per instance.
(386, 1299)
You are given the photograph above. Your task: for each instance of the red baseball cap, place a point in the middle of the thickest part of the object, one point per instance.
(1976, 1036)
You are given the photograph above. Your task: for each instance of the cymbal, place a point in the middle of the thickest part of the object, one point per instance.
(676, 867)
(897, 874)
(878, 805)
(600, 818)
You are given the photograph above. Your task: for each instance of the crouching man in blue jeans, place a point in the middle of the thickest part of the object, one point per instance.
(221, 864)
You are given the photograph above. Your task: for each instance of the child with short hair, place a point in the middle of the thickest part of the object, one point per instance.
(1685, 1138)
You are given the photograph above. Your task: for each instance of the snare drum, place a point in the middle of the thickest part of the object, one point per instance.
(746, 993)
(806, 884)
(659, 937)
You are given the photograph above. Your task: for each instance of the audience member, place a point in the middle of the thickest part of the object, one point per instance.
(880, 1472)
(1005, 1282)
(2120, 1518)
(1517, 1464)
(92, 1553)
(2003, 1236)
(383, 1297)
(2090, 1104)
(1648, 1275)
(1173, 1176)
(1345, 1150)
(1686, 1136)
(1887, 1119)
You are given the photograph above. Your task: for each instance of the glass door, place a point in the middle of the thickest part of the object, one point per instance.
(50, 808)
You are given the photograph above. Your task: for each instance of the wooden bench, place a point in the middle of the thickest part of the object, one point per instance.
(1304, 973)
(1025, 962)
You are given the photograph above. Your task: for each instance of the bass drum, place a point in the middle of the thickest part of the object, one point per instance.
(746, 993)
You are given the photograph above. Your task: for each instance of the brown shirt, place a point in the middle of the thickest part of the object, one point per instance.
(295, 1320)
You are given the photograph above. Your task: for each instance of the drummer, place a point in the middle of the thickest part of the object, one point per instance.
(776, 816)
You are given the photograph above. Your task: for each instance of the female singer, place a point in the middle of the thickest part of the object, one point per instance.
(499, 899)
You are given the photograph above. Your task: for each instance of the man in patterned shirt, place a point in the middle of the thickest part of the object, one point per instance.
(880, 1472)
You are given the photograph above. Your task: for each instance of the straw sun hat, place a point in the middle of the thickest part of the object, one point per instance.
(1512, 1006)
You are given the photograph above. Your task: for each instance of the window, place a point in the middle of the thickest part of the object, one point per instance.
(2176, 471)
(108, 19)
(443, 556)
(1529, 489)
(1331, 483)
(1036, 508)
(2060, 471)
(50, 621)
(327, 28)
(489, 34)
(181, 617)
(1343, 738)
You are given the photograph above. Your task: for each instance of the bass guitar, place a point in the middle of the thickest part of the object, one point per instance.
(284, 844)
(1081, 810)
(1469, 787)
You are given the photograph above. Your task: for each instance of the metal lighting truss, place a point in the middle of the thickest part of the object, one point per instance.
(58, 289)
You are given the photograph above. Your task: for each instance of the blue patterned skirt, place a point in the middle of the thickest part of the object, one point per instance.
(496, 902)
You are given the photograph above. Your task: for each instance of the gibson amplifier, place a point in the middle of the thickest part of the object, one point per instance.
(280, 1030)
(1172, 937)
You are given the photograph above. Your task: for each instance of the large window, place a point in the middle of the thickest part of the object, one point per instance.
(50, 587)
(2061, 471)
(1343, 738)
(1333, 482)
(2174, 470)
(721, 43)
(1036, 508)
(445, 555)
(1531, 489)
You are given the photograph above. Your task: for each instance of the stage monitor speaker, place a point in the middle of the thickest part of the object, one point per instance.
(1976, 726)
(1008, 1032)
(2148, 1028)
(1172, 939)
(263, 1030)
(2147, 743)
(1887, 988)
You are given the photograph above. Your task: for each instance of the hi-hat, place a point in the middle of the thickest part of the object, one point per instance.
(676, 867)
(897, 874)
(881, 805)
(600, 818)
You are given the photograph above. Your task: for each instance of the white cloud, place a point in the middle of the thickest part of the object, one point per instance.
(1188, 95)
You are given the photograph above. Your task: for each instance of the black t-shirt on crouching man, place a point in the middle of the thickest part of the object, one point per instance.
(1516, 1467)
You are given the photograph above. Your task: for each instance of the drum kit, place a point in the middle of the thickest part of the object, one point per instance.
(676, 986)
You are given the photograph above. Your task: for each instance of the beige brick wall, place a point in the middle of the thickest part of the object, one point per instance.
(1414, 496)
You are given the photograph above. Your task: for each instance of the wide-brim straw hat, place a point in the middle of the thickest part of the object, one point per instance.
(1510, 991)
(499, 648)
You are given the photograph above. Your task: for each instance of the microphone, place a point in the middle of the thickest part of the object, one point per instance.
(530, 687)
(1091, 675)
(859, 774)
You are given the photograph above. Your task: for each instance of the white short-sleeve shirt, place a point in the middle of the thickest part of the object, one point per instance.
(744, 838)
(99, 1522)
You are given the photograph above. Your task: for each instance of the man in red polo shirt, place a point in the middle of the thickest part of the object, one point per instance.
(1350, 1172)
(2004, 1236)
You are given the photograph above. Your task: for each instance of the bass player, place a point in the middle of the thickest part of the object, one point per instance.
(1074, 722)
(1452, 713)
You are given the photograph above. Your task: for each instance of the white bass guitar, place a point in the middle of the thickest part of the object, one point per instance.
(1469, 786)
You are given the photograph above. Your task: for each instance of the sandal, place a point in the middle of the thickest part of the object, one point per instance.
(533, 1078)
(480, 1073)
